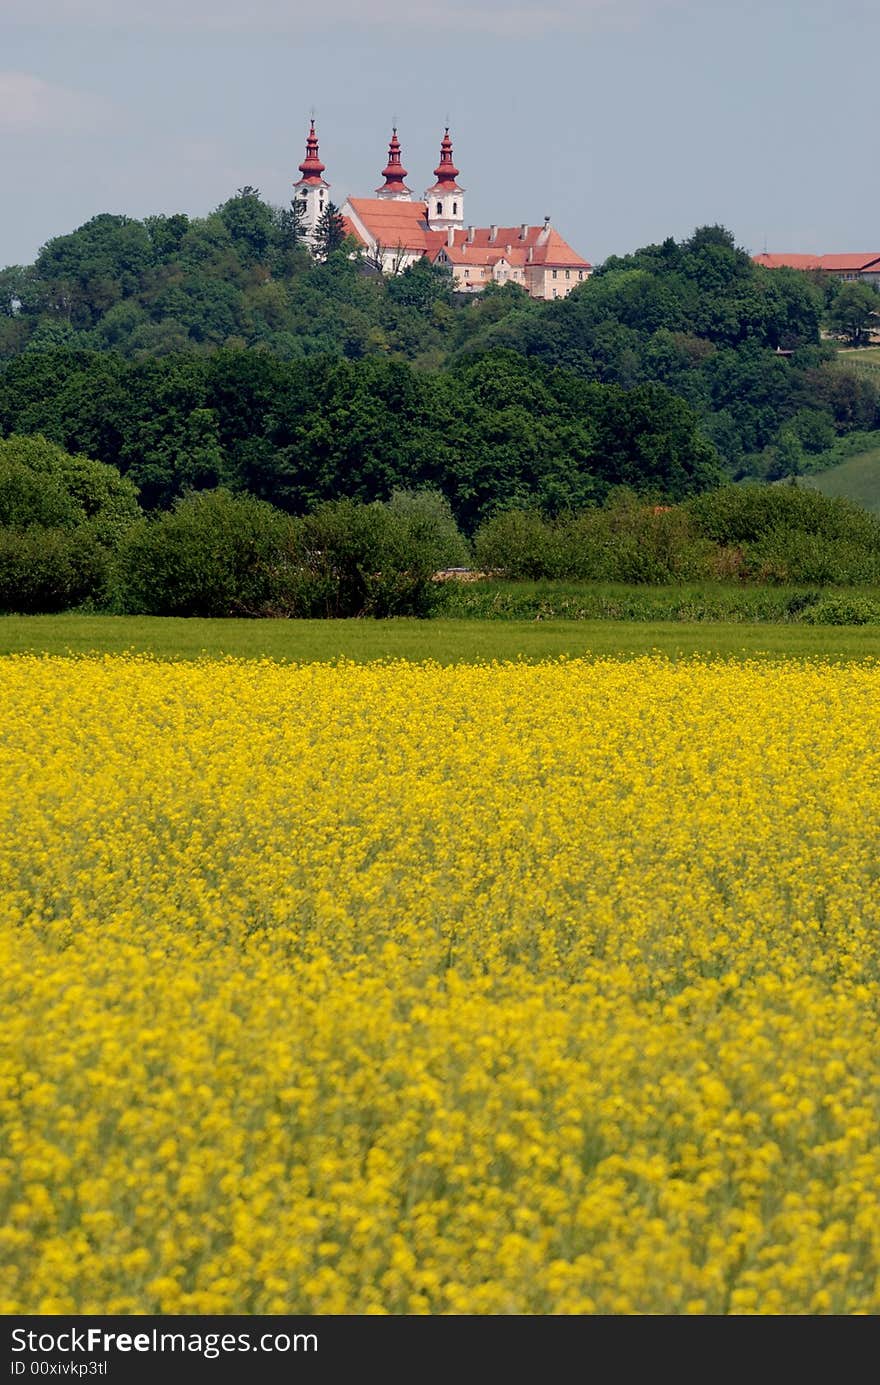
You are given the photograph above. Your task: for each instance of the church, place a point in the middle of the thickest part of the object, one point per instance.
(395, 229)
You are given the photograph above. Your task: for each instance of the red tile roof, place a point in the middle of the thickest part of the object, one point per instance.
(549, 251)
(547, 244)
(788, 261)
(853, 264)
(394, 223)
(404, 224)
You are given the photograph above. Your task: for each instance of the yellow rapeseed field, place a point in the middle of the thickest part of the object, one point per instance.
(404, 989)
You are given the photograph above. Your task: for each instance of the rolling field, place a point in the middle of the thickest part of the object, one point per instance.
(857, 479)
(402, 988)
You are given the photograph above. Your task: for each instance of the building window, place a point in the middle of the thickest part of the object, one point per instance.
(580, 274)
(554, 274)
(455, 209)
(439, 208)
(568, 274)
(554, 293)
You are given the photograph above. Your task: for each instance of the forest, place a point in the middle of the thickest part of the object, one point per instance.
(196, 352)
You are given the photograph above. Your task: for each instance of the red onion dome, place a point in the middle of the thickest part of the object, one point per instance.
(311, 167)
(394, 168)
(446, 172)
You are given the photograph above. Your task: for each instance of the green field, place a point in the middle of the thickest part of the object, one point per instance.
(446, 641)
(857, 479)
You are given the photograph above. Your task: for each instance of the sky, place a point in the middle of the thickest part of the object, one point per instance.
(625, 121)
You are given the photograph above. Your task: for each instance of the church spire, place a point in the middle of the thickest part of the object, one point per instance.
(311, 167)
(312, 191)
(446, 172)
(445, 199)
(394, 173)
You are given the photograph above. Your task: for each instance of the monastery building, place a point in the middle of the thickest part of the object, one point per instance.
(395, 229)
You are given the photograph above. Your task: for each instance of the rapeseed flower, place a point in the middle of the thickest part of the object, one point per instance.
(405, 989)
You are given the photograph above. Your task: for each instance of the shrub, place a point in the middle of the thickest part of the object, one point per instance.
(796, 556)
(215, 554)
(520, 543)
(627, 540)
(788, 534)
(427, 525)
(742, 514)
(379, 559)
(33, 499)
(47, 570)
(843, 610)
(42, 485)
(652, 542)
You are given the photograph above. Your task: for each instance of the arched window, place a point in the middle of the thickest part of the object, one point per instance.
(455, 209)
(439, 208)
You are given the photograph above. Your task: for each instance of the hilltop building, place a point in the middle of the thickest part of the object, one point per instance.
(395, 229)
(864, 269)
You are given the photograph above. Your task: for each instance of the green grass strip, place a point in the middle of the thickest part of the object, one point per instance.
(445, 641)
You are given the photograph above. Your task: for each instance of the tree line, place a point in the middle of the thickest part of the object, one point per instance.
(489, 433)
(73, 535)
(738, 343)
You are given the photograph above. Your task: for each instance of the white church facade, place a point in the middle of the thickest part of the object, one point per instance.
(395, 229)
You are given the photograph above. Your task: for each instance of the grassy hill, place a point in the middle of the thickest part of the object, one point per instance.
(857, 478)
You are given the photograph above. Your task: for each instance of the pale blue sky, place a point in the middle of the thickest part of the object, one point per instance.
(625, 120)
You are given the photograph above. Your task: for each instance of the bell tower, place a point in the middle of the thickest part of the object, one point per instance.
(312, 192)
(445, 199)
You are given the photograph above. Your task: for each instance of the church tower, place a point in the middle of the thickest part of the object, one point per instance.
(394, 188)
(311, 193)
(445, 199)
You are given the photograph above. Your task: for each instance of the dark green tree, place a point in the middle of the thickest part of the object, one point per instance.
(292, 222)
(853, 312)
(18, 290)
(329, 232)
(167, 233)
(250, 223)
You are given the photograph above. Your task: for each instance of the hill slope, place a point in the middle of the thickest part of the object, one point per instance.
(857, 479)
